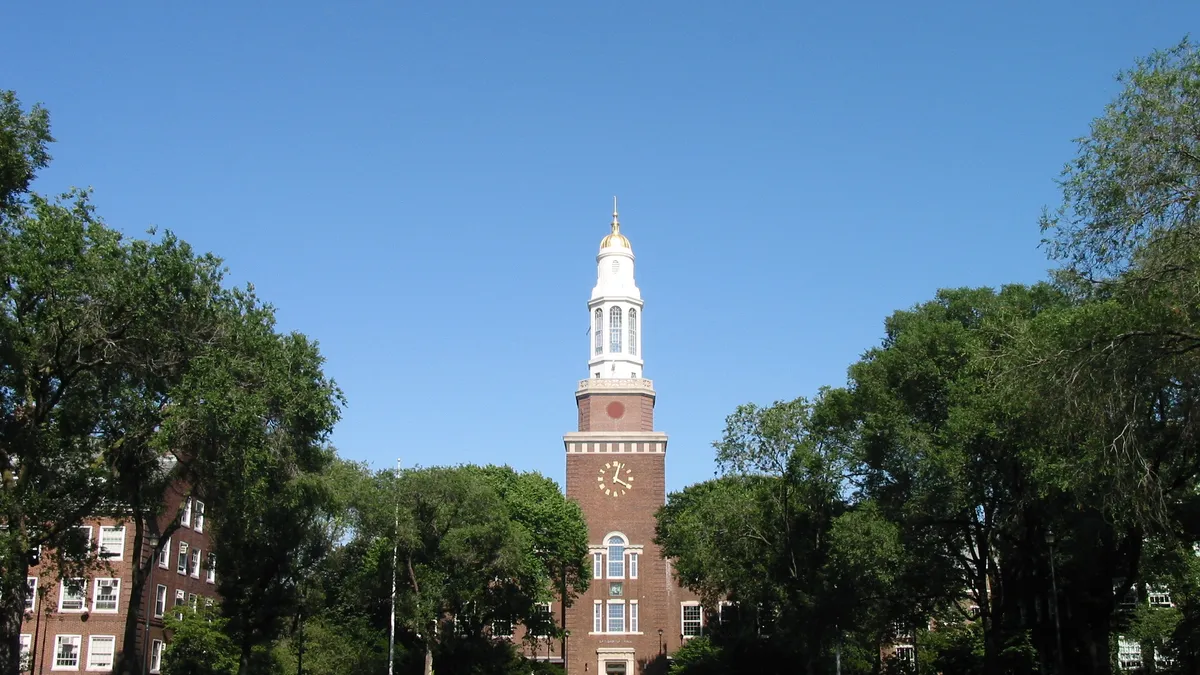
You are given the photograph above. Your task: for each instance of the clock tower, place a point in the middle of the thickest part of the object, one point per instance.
(630, 617)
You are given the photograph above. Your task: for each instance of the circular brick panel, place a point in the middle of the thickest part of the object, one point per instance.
(615, 410)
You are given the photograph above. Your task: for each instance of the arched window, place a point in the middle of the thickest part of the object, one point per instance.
(616, 556)
(633, 332)
(599, 330)
(614, 330)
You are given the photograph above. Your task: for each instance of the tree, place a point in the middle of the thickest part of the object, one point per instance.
(24, 137)
(200, 644)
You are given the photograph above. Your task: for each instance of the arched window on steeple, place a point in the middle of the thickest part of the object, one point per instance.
(633, 332)
(599, 330)
(614, 330)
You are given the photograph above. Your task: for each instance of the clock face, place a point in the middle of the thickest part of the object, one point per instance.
(615, 479)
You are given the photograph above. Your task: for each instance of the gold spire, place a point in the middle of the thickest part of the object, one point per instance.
(615, 239)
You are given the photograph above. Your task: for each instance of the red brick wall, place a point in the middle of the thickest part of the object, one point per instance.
(636, 412)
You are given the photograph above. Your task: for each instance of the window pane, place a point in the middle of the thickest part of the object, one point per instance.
(633, 332)
(598, 618)
(614, 330)
(106, 594)
(66, 651)
(597, 565)
(164, 555)
(598, 330)
(616, 562)
(71, 594)
(30, 593)
(160, 601)
(100, 652)
(112, 542)
(633, 617)
(616, 617)
(633, 565)
(691, 620)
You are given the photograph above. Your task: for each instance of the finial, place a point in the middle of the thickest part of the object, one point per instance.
(616, 224)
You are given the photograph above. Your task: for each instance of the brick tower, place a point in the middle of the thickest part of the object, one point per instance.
(615, 471)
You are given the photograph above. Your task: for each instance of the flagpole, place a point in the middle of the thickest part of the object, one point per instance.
(395, 558)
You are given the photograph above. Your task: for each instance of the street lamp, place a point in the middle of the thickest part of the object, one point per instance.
(660, 644)
(1054, 590)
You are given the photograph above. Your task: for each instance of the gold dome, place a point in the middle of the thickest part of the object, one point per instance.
(615, 239)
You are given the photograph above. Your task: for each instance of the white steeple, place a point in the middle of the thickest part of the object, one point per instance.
(615, 311)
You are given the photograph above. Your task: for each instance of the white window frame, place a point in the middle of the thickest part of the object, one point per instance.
(199, 516)
(160, 601)
(97, 584)
(196, 558)
(25, 653)
(164, 555)
(599, 331)
(634, 627)
(598, 617)
(62, 594)
(76, 641)
(633, 564)
(112, 553)
(192, 599)
(631, 317)
(31, 585)
(608, 615)
(619, 562)
(180, 601)
(614, 329)
(156, 652)
(181, 562)
(547, 609)
(185, 519)
(597, 565)
(112, 641)
(684, 622)
(210, 574)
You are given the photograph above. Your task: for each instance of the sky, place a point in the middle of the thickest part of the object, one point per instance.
(422, 187)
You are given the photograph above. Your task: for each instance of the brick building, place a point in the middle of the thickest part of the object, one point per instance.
(79, 624)
(634, 614)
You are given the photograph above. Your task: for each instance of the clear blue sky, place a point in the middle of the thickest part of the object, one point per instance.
(422, 187)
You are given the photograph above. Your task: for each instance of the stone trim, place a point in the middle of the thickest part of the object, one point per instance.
(616, 442)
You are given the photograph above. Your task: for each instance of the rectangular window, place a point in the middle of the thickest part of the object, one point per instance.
(692, 619)
(66, 652)
(186, 518)
(26, 654)
(199, 516)
(545, 619)
(196, 563)
(1158, 596)
(180, 598)
(181, 564)
(160, 601)
(905, 654)
(211, 571)
(633, 616)
(597, 565)
(112, 542)
(156, 650)
(30, 594)
(633, 561)
(164, 555)
(105, 595)
(616, 616)
(502, 628)
(71, 595)
(598, 617)
(100, 652)
(85, 533)
(616, 562)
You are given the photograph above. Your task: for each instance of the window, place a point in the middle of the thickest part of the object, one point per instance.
(598, 617)
(545, 619)
(85, 532)
(156, 650)
(71, 594)
(633, 332)
(180, 598)
(502, 628)
(182, 564)
(614, 330)
(616, 267)
(199, 516)
(633, 616)
(164, 555)
(26, 654)
(112, 542)
(726, 611)
(66, 652)
(599, 331)
(160, 601)
(597, 565)
(100, 652)
(633, 564)
(196, 563)
(616, 616)
(105, 595)
(906, 653)
(692, 619)
(186, 519)
(192, 601)
(616, 557)
(30, 593)
(210, 574)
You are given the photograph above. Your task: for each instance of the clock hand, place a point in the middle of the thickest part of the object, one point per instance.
(618, 480)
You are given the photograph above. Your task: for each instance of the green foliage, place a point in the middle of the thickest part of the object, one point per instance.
(24, 137)
(199, 644)
(699, 656)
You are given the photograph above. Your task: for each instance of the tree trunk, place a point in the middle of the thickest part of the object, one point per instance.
(129, 661)
(428, 659)
(12, 601)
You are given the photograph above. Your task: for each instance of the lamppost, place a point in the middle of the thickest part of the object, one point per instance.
(1054, 590)
(660, 643)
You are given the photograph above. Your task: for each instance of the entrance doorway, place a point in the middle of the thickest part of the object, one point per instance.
(614, 668)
